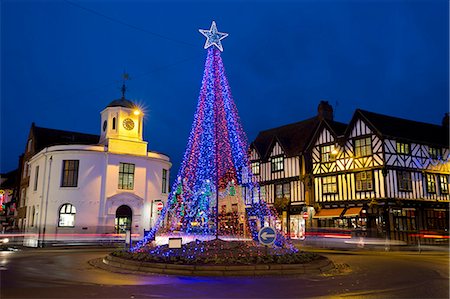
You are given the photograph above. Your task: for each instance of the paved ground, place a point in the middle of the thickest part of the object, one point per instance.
(65, 273)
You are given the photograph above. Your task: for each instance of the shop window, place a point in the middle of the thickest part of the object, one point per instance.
(404, 219)
(67, 215)
(329, 184)
(443, 183)
(431, 183)
(404, 181)
(363, 147)
(126, 176)
(327, 153)
(402, 148)
(364, 181)
(277, 164)
(69, 176)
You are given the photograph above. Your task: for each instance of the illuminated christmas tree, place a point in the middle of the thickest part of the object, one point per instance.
(215, 164)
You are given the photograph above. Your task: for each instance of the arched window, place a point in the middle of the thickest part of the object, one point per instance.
(67, 215)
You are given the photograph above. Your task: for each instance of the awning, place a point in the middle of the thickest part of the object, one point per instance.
(353, 212)
(329, 213)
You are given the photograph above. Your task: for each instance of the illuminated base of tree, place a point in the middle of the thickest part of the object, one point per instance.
(219, 252)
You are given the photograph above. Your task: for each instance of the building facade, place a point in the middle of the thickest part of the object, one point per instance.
(95, 189)
(281, 165)
(382, 177)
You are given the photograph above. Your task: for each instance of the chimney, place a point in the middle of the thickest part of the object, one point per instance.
(325, 111)
(445, 120)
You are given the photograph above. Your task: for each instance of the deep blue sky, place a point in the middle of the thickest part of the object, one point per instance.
(61, 64)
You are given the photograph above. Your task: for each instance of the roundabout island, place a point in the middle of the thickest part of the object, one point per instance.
(217, 258)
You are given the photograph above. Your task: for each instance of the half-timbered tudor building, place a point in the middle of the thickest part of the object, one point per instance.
(384, 176)
(280, 164)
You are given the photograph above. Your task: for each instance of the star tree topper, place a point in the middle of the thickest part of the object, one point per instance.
(213, 37)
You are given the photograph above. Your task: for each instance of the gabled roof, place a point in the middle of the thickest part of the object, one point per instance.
(337, 128)
(408, 130)
(293, 138)
(45, 137)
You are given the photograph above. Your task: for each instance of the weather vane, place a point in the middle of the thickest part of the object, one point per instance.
(125, 77)
(213, 37)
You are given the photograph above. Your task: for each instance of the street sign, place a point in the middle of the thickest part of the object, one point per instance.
(305, 215)
(267, 235)
(159, 206)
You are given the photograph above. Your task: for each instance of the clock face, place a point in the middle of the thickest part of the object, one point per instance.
(105, 123)
(128, 124)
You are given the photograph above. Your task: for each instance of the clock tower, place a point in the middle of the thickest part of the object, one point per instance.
(122, 126)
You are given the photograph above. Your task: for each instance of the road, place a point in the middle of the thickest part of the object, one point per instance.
(44, 273)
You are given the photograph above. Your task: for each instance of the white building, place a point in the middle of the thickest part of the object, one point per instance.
(82, 191)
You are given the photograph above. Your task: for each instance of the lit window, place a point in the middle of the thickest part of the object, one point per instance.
(443, 181)
(364, 181)
(404, 180)
(255, 167)
(326, 153)
(164, 181)
(402, 148)
(329, 184)
(277, 164)
(363, 147)
(431, 183)
(69, 176)
(435, 153)
(126, 176)
(67, 215)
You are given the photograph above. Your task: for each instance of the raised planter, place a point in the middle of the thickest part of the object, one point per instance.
(318, 266)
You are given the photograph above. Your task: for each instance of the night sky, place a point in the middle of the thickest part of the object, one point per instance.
(62, 61)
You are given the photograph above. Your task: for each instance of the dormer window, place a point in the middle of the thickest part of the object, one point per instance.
(255, 167)
(277, 164)
(434, 152)
(363, 147)
(328, 153)
(402, 148)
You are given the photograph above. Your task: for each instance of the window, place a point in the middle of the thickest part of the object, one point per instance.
(164, 181)
(283, 190)
(36, 178)
(126, 176)
(431, 183)
(70, 173)
(404, 181)
(255, 167)
(277, 164)
(363, 147)
(443, 183)
(234, 207)
(25, 169)
(29, 145)
(327, 153)
(435, 153)
(402, 148)
(67, 215)
(114, 123)
(364, 181)
(329, 184)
